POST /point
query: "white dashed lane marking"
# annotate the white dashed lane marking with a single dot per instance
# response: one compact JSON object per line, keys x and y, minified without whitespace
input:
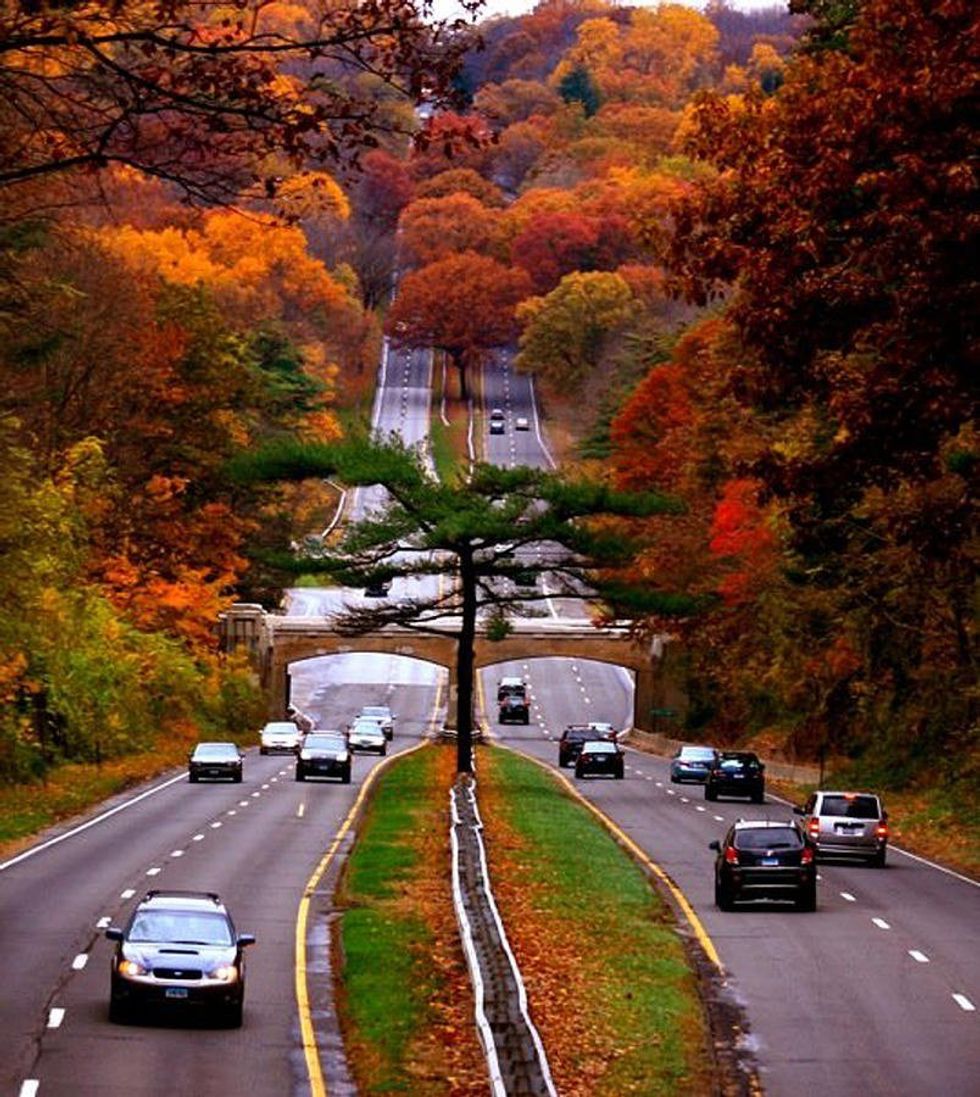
{"x":155,"y":871}
{"x":103,"y":922}
{"x":29,"y":1088}
{"x":918,"y":957}
{"x":55,"y":1017}
{"x":198,"y":838}
{"x":127,"y":894}
{"x":697,"y":807}
{"x":848,"y":896}
{"x":176,"y":853}
{"x":880,"y":923}
{"x":300,"y":811}
{"x":216,"y":824}
{"x":964,"y":1003}
{"x":719,"y":818}
{"x":80,"y":961}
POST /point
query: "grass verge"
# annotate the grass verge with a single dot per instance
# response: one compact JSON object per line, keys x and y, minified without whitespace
{"x":608,"y":978}
{"x":406,"y":1004}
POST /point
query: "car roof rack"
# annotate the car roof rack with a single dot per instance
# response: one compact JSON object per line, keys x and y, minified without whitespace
{"x":178,"y":893}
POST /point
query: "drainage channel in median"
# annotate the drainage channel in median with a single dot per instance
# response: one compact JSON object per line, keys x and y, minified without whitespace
{"x":515,"y":1056}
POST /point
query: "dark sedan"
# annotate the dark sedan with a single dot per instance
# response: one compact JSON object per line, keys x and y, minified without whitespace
{"x":324,"y":754}
{"x":572,"y":740}
{"x":691,"y":764}
{"x":179,"y":951}
{"x":765,"y":859}
{"x":215,"y":760}
{"x":736,"y":773}
{"x":600,"y":756}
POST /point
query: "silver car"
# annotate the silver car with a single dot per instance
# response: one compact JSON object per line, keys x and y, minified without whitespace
{"x":846,"y":824}
{"x":367,"y":735}
{"x":382,"y":715}
{"x":279,"y":737}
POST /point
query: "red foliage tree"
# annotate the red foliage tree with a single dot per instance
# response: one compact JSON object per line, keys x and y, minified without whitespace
{"x":463,"y":305}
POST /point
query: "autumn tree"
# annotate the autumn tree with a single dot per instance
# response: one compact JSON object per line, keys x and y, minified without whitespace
{"x":553,"y":245}
{"x":838,"y":233}
{"x":476,"y":533}
{"x":565,"y":332}
{"x":463,"y":305}
{"x":435,"y":228}
{"x":200,"y":94}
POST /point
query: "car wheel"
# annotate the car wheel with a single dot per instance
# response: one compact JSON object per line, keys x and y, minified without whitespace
{"x":192,"y":777}
{"x":233,"y":1015}
{"x":238,"y":778}
{"x":578,"y":773}
{"x":262,"y":750}
{"x":806,"y":900}
{"x":879,"y":858}
{"x":345,"y":776}
{"x":118,"y":1013}
{"x":758,"y":797}
{"x":384,"y":750}
{"x":526,"y":720}
{"x":723,"y":897}
{"x":300,"y":775}
{"x":710,"y":794}
{"x":619,"y":774}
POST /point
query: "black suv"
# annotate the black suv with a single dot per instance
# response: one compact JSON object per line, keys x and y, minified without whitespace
{"x":572,"y":738}
{"x":179,"y":949}
{"x":765,"y":859}
{"x":736,"y":773}
{"x":513,"y":710}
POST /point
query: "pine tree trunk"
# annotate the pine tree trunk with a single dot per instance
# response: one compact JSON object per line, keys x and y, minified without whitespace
{"x":464,"y":663}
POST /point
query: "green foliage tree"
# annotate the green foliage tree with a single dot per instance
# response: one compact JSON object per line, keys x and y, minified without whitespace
{"x":475,"y":533}
{"x":577,"y":86}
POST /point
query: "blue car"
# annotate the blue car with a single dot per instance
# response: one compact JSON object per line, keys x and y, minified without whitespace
{"x":692,"y":764}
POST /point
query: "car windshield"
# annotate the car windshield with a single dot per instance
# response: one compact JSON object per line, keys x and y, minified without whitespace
{"x":375,"y":710}
{"x":213,"y":751}
{"x":180,"y":927}
{"x":365,"y":727}
{"x":283,"y":727}
{"x":696,"y":754}
{"x":769,"y":838}
{"x":324,"y":742}
{"x":851,"y":807}
{"x":599,"y":747}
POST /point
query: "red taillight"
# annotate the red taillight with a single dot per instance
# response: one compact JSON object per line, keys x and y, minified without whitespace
{"x":813,"y":828}
{"x":806,"y":857}
{"x":731,"y":855}
{"x":881,"y":830}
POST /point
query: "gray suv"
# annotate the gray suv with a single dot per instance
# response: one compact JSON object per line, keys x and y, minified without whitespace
{"x":846,"y":824}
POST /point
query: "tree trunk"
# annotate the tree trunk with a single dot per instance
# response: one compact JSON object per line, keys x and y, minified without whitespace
{"x":464,"y":663}
{"x":459,"y":361}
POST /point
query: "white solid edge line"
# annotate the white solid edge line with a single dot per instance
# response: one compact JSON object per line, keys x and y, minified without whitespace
{"x":537,"y":425}
{"x":486,"y":1034}
{"x":91,"y":823}
{"x":521,"y":991}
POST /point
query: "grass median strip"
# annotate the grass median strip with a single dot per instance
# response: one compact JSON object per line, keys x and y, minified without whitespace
{"x":609,"y":984}
{"x":406,"y":1003}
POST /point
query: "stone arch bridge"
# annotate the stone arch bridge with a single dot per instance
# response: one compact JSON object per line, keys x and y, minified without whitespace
{"x":273,"y":642}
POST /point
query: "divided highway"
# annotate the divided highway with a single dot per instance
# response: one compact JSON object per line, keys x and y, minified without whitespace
{"x":873,"y":994}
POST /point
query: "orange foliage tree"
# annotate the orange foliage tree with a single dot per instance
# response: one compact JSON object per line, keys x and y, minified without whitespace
{"x":463,"y":304}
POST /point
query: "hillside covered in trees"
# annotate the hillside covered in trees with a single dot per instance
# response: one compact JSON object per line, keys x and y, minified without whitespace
{"x":732,"y":249}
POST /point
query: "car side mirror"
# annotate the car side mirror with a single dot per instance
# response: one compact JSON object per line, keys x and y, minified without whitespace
{"x":715,"y":845}
{"x":246,"y":939}
{"x":114,"y":933}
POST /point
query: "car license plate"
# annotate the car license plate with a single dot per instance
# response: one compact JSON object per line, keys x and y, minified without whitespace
{"x":769,"y":861}
{"x":175,"y":992}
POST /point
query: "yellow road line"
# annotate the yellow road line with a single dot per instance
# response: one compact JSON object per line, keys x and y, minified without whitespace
{"x":307,"y":1034}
